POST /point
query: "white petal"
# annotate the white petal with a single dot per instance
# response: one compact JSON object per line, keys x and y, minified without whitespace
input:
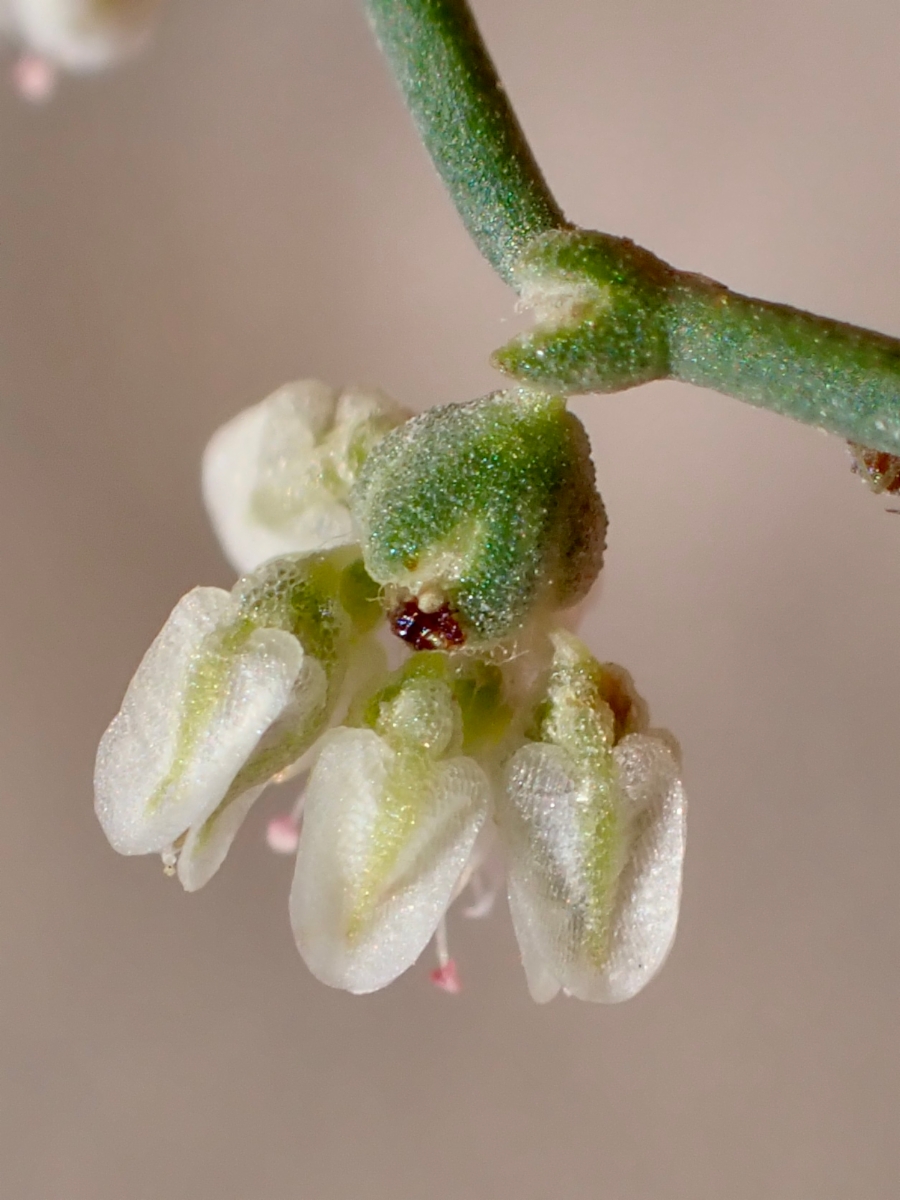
{"x":375,"y":873}
{"x":174,"y":749}
{"x":553,"y":888}
{"x":541,"y":800}
{"x":650,"y":887}
{"x":272,"y":444}
{"x":362,"y":417}
{"x":208,"y":842}
{"x":83,"y":35}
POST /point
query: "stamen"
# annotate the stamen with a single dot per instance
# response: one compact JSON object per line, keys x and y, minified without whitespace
{"x":34,"y":78}
{"x":445,"y":975}
{"x":484,"y":894}
{"x":431,"y":599}
{"x":169,"y":858}
{"x":283,"y":831}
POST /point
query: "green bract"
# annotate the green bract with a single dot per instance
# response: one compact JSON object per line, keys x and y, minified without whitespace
{"x":600,"y":304}
{"x":610,"y":315}
{"x":485,"y":512}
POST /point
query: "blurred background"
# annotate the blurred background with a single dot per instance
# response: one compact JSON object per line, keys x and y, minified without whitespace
{"x":248,"y":204}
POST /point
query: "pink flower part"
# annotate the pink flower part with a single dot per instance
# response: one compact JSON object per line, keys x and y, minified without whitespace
{"x":444,"y":975}
{"x":34,"y":78}
{"x":283,"y":834}
{"x":446,"y":978}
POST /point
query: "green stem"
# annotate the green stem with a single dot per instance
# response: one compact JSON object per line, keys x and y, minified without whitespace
{"x":839,"y":377}
{"x":464,"y":118}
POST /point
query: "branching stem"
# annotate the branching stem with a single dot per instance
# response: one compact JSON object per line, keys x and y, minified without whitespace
{"x":611,"y":316}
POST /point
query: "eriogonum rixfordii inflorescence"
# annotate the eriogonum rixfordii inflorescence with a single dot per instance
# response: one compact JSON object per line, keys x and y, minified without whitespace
{"x":72,"y":35}
{"x":497,"y":740}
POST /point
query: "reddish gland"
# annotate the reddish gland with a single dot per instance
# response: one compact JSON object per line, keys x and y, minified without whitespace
{"x":881,"y":471}
{"x":438,"y":630}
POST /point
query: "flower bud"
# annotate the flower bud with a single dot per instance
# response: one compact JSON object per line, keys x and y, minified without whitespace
{"x":476,"y":516}
{"x":277,"y":476}
{"x":234,"y":689}
{"x":593,"y":813}
{"x":82,"y":35}
{"x":391,"y":816}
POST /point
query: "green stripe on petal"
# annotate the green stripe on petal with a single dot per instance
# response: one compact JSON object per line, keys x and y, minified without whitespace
{"x":204,"y":695}
{"x":593,"y":813}
{"x":235,"y":689}
{"x":389,"y":824}
{"x":283,"y":743}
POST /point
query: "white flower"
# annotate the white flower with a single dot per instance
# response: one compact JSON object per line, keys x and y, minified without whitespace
{"x":233,"y":690}
{"x":588,"y":813}
{"x":81,"y":35}
{"x":391,"y":817}
{"x":477,"y":523}
{"x":594,"y":818}
{"x":276,"y":478}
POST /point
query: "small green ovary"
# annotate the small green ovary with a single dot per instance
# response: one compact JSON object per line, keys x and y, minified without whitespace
{"x":486,"y":716}
{"x":360,"y":597}
{"x":426,"y":667}
{"x":472,"y":690}
{"x":421,"y":713}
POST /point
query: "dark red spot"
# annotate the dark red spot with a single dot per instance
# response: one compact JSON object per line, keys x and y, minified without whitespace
{"x":426,"y":631}
{"x":880,"y":471}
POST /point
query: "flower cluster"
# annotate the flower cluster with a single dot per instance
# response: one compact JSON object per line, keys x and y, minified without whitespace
{"x":486,"y":736}
{"x":75,"y":35}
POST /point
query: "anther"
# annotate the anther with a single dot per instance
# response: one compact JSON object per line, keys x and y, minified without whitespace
{"x":283,"y":831}
{"x":444,"y":976}
{"x":34,"y":78}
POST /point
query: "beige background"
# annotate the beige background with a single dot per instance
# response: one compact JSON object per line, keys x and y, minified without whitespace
{"x":248,"y":204}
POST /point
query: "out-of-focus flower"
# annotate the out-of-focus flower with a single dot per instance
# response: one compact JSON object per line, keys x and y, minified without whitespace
{"x":463,"y":531}
{"x":277,"y":477}
{"x":75,"y":35}
{"x":34,"y":77}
